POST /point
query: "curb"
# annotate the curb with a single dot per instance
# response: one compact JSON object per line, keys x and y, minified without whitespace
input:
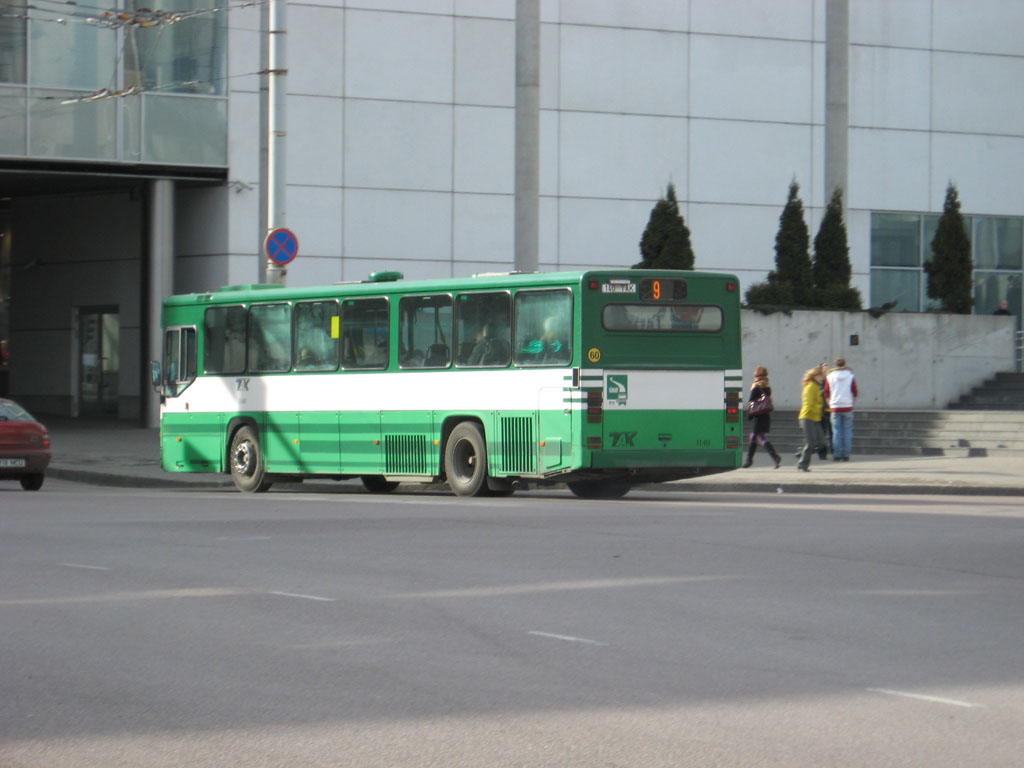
{"x":113,"y":480}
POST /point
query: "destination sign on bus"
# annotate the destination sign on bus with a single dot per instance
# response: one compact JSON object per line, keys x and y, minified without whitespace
{"x":662,"y":289}
{"x":618,"y":286}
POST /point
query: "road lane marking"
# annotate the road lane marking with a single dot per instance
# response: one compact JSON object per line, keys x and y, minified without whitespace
{"x":567,"y":638}
{"x":305,"y":597}
{"x":923,"y":697}
{"x":86,"y":567}
{"x":559,"y":586}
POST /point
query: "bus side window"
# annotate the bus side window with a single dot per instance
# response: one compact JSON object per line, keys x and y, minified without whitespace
{"x":366,"y":327}
{"x":543,"y":328}
{"x":314,"y":348}
{"x":425,"y":331}
{"x":483,"y":331}
{"x":224,"y":339}
{"x":270,"y":338}
{"x":179,"y":364}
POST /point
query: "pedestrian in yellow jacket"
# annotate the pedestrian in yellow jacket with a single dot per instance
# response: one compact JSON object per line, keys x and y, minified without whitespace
{"x":812,"y":406}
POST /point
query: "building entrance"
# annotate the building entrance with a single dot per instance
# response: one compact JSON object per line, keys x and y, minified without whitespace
{"x":99,"y":361}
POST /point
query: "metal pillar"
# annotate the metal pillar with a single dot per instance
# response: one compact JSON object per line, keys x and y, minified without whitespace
{"x":277,"y":72}
{"x":161,"y":281}
{"x":527,"y":140}
{"x":837,"y":95}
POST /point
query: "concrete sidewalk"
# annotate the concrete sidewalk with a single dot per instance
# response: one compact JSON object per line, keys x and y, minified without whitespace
{"x":119,"y":454}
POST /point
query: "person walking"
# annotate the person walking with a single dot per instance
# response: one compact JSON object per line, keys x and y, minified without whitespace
{"x":841,"y":393}
{"x":812,"y":405}
{"x":826,"y":417}
{"x":762,"y":422}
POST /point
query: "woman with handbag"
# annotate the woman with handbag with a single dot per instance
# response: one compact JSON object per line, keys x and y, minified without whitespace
{"x":812,"y":406}
{"x":760,"y":409}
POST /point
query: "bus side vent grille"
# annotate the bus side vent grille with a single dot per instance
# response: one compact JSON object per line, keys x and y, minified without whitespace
{"x":405,"y":454}
{"x":518,"y":449}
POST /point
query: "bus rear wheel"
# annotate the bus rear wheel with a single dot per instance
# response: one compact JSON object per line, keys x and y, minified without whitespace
{"x":465,"y":460}
{"x":599,"y":489}
{"x":246,"y":462}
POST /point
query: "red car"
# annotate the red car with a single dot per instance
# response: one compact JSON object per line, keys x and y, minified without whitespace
{"x":24,"y":446}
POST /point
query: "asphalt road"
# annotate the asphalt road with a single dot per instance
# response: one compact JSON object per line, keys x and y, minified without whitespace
{"x":202,"y":629}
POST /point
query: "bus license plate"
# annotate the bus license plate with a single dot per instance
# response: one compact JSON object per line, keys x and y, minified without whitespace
{"x":618,"y":288}
{"x":12,"y":463}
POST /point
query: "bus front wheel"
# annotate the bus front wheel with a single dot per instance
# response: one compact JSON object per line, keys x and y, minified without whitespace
{"x":599,"y":489}
{"x":247,"y":462}
{"x":465,"y":460}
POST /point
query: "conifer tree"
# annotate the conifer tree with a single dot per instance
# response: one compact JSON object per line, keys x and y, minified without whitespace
{"x":665,"y":243}
{"x":949,"y":270}
{"x":792,"y":250}
{"x":831,"y":266}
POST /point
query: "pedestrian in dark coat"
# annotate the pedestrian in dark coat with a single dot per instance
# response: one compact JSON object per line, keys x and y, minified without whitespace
{"x":762,"y":422}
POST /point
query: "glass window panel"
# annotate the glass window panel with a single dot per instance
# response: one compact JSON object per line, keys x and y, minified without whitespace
{"x":990,"y":288}
{"x":364,"y":333}
{"x":425,"y":331}
{"x":185,"y":130}
{"x":270,"y":338}
{"x":12,"y":121}
{"x":997,"y":243}
{"x":900,"y":285}
{"x":71,"y":55}
{"x":316,"y":336}
{"x":483,"y":329}
{"x":543,"y":328}
{"x":224,"y":339}
{"x":186,"y":57}
{"x":82,"y":129}
{"x":895,"y":240}
{"x":12,"y":42}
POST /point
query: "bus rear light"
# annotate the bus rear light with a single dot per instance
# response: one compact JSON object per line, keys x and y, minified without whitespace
{"x":593,"y":285}
{"x":594,"y":443}
{"x":730,"y":287}
{"x":732,"y":406}
{"x":732,"y":441}
{"x":595,"y":406}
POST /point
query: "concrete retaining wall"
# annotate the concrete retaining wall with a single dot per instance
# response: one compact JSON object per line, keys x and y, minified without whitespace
{"x":901,"y":360}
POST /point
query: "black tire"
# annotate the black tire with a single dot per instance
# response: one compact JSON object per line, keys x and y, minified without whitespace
{"x":377,"y":484}
{"x":246,"y":462}
{"x":32,"y":482}
{"x":465,"y":460}
{"x":599,"y":489}
{"x":500,"y":487}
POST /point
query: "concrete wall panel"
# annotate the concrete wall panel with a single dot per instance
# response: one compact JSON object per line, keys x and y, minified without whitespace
{"x":484,"y":150}
{"x":623,"y":70}
{"x":389,"y":227}
{"x":750,"y":79}
{"x":889,"y":88}
{"x":620,"y":156}
{"x":401,"y":56}
{"x":784,"y":19}
{"x":889,"y":170}
{"x":314,"y":144}
{"x":971,"y":163}
{"x":482,"y":230}
{"x":315,"y":54}
{"x":485,"y":71}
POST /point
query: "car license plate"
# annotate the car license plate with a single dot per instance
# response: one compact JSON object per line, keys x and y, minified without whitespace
{"x":12,"y":463}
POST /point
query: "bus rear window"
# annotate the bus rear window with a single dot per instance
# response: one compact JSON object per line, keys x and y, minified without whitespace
{"x":706,"y":318}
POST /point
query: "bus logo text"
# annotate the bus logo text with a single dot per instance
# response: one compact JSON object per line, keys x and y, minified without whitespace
{"x":622,"y":439}
{"x":241,"y":385}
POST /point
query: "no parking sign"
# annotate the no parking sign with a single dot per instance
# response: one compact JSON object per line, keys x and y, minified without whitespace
{"x":281,"y":246}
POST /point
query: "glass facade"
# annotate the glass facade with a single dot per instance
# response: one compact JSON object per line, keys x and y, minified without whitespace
{"x":144,"y":84}
{"x":901,"y":243}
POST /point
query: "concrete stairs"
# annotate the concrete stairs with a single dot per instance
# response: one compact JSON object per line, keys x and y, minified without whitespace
{"x":916,"y":433}
{"x":1003,"y":392}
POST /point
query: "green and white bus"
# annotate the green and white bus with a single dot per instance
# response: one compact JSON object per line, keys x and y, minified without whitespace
{"x":600,"y":379}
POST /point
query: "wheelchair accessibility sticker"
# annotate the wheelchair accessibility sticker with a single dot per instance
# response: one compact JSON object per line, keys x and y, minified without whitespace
{"x":616,"y":389}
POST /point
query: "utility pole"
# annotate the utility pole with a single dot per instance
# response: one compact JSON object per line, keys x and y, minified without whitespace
{"x":527,"y":155}
{"x":277,"y":71}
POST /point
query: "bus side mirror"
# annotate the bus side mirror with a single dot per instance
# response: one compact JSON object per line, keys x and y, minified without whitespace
{"x":154,"y":374}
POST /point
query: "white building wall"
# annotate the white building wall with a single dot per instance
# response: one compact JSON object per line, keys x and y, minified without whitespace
{"x":401,"y":138}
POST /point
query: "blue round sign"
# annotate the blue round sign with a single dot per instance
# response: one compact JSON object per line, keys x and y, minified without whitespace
{"x":282,"y":246}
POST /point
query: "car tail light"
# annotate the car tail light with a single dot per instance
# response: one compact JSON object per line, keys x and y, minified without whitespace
{"x":732,"y":406}
{"x":595,"y":406}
